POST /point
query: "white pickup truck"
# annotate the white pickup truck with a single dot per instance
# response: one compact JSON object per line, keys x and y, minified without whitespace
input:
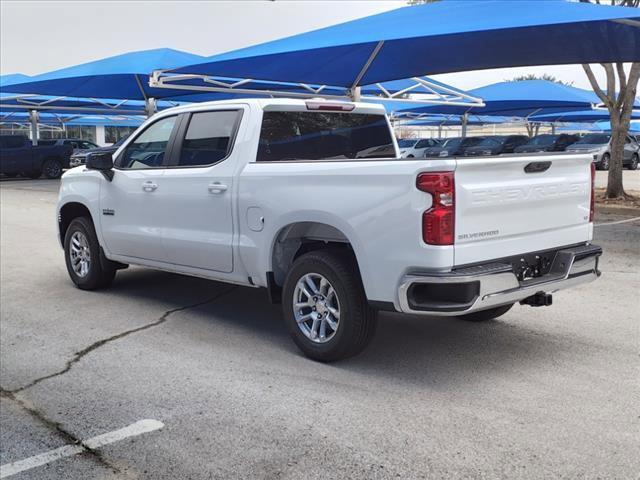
{"x":309,"y":200}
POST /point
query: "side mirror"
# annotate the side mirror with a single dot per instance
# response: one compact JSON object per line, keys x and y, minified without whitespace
{"x":103,"y":162}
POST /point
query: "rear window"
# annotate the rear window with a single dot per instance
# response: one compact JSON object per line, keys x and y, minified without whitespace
{"x":323,"y":136}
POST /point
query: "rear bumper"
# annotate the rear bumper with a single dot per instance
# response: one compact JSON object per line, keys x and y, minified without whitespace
{"x":490,"y":285}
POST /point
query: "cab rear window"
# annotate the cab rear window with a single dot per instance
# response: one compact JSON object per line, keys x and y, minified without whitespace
{"x":291,"y":136}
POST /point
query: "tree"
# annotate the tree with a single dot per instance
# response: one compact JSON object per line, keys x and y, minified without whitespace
{"x":619,"y":97}
{"x":544,"y":76}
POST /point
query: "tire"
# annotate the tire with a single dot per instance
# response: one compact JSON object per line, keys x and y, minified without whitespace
{"x":634,"y":162}
{"x":356,"y":320}
{"x":52,"y":168}
{"x":484,"y":315}
{"x":604,"y":163}
{"x":85,"y":245}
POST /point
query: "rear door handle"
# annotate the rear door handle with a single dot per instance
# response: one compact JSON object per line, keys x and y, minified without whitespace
{"x":149,"y":186}
{"x":217,"y":187}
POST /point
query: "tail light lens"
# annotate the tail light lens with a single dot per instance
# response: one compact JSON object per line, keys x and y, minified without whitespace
{"x":592,"y":208}
{"x":438,"y":223}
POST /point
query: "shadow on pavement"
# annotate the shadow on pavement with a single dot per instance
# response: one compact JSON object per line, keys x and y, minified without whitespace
{"x":427,"y":350}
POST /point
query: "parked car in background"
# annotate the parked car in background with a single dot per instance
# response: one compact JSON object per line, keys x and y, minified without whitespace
{"x":76,"y":144}
{"x":452,"y":147}
{"x":496,"y":144}
{"x":548,"y":143}
{"x":80,"y":157}
{"x":599,"y":145}
{"x":415,"y":147}
{"x":19,"y":157}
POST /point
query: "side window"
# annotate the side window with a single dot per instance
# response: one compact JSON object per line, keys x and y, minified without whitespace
{"x":423,"y":144}
{"x":208,"y":138}
{"x":148,"y":149}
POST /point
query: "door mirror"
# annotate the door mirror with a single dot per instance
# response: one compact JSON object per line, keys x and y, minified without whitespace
{"x":103,"y":162}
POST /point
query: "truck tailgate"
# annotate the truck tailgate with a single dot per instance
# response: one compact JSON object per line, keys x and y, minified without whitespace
{"x":516,"y":204}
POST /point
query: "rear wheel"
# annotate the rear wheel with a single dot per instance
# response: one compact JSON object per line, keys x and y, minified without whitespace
{"x":52,"y":168}
{"x":82,"y":256}
{"x":634,"y":162}
{"x":325,"y":306}
{"x":485,"y":315}
{"x":604,"y":163}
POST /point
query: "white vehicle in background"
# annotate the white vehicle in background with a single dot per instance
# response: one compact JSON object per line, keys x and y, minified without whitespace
{"x":309,"y":200}
{"x":599,"y":146}
{"x":415,"y":147}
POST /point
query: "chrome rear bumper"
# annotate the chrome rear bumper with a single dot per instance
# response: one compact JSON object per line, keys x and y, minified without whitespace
{"x":490,"y":285}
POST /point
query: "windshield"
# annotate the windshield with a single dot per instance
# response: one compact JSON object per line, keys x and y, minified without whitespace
{"x":542,"y":140}
{"x":406,"y":143}
{"x":324,"y":136}
{"x":594,"y":139}
{"x":451,"y":143}
{"x":492,"y":142}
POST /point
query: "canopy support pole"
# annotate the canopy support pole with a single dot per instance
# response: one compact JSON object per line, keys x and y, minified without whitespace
{"x":553,"y":128}
{"x":150,"y":106}
{"x":33,"y":121}
{"x":465,"y":120}
{"x":354,"y":86}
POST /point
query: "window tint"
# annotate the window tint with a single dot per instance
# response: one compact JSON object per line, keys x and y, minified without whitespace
{"x":208,"y":138}
{"x":148,"y":149}
{"x":424,"y":143}
{"x":323,"y":136}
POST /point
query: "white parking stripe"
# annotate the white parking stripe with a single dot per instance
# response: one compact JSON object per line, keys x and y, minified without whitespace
{"x":133,"y":430}
{"x":634,"y":219}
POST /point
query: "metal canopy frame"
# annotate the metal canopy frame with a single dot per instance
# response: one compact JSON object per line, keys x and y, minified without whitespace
{"x":29,"y":102}
{"x":438,"y":94}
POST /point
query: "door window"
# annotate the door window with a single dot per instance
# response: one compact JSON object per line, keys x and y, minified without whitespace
{"x":148,"y":149}
{"x":209,"y":138}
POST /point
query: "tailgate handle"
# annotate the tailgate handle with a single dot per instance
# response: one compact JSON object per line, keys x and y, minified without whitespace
{"x":537,"y":167}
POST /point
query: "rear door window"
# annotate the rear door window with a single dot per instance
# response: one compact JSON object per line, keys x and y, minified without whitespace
{"x":290,"y":136}
{"x":209,"y":138}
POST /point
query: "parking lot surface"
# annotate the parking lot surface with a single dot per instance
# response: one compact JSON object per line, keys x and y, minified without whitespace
{"x":539,"y":393}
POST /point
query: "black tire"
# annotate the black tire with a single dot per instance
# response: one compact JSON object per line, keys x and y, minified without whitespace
{"x":604,"y":163}
{"x":52,"y":168}
{"x":484,"y":315}
{"x":357,"y":320}
{"x":634,"y":162}
{"x":97,"y":276}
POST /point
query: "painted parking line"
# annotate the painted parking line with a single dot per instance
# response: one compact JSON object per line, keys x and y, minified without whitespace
{"x":634,"y":219}
{"x":133,"y":430}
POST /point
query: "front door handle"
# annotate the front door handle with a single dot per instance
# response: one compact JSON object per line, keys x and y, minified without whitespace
{"x":217,"y":187}
{"x":149,"y":186}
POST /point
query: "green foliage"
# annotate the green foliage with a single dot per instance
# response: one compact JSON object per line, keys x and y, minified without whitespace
{"x":544,"y":76}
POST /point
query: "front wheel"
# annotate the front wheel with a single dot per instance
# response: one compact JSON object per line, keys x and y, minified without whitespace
{"x":82,"y":256}
{"x":634,"y":162}
{"x":325,"y":306}
{"x":484,"y":315}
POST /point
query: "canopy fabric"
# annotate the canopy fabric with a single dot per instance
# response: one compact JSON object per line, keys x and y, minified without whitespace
{"x":577,"y":117}
{"x":440,"y":37}
{"x":22,"y":118}
{"x":122,"y":76}
{"x":521,"y":99}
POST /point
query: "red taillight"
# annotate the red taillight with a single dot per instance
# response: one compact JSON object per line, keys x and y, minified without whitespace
{"x":592,"y":208}
{"x":438,"y":223}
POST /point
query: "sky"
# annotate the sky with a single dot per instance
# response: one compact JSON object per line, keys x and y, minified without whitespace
{"x":40,"y":36}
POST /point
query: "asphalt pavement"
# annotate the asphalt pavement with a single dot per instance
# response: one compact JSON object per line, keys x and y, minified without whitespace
{"x":547,"y":392}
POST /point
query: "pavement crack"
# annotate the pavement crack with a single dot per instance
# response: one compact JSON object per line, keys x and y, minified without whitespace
{"x":58,"y":429}
{"x":85,"y":351}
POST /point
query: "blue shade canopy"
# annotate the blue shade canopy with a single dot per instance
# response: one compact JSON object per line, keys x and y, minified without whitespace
{"x":122,"y":76}
{"x":577,"y":117}
{"x":22,"y":118}
{"x":440,"y":37}
{"x":521,"y":99}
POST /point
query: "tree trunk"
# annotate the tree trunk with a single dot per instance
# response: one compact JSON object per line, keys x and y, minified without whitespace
{"x":618,"y":138}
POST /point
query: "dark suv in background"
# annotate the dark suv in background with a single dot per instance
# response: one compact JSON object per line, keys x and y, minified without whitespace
{"x":496,"y":145}
{"x":19,"y":157}
{"x":452,"y":147}
{"x":548,"y":143}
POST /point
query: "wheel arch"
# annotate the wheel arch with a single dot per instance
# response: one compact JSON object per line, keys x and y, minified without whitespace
{"x":70,"y":211}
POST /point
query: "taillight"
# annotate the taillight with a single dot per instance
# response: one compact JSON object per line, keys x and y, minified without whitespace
{"x":592,"y":208}
{"x":438,"y":223}
{"x":330,"y":106}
